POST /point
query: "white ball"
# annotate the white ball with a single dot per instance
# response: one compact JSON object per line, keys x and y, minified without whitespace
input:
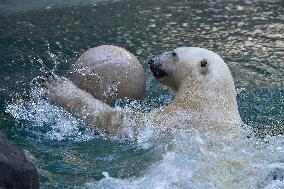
{"x":109,"y":73}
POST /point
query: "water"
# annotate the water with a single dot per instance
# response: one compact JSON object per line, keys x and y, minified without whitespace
{"x":36,"y":37}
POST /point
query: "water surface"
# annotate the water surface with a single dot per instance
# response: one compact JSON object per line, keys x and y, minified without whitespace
{"x":41,"y":37}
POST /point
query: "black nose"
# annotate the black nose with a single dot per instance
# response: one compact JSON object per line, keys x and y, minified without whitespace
{"x":156,"y":69}
{"x":151,"y":61}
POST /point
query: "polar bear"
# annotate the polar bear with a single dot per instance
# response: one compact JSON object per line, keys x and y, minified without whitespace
{"x":205,"y":97}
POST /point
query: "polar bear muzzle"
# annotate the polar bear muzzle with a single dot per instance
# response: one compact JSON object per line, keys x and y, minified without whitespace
{"x":156,"y":69}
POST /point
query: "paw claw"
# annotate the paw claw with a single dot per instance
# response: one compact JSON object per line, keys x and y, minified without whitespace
{"x":48,"y":80}
{"x":50,"y":76}
{"x":51,"y":80}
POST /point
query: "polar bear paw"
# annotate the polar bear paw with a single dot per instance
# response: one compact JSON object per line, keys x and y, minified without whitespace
{"x":51,"y":80}
{"x":54,"y":85}
{"x":59,"y":90}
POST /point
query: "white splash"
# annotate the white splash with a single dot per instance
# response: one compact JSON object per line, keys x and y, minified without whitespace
{"x":47,"y":121}
{"x":194,"y":161}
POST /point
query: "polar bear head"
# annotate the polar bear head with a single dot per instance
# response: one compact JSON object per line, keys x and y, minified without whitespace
{"x":190,"y":65}
{"x":201,"y":79}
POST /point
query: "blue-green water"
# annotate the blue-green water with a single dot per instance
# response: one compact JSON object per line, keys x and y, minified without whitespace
{"x":249,"y":35}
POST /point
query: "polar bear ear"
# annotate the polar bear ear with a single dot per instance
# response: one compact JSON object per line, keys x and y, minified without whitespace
{"x":174,"y":54}
{"x":204,"y":66}
{"x":203,"y":63}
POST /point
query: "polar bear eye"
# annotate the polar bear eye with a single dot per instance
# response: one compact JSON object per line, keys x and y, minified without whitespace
{"x":203,"y":63}
{"x":174,"y":54}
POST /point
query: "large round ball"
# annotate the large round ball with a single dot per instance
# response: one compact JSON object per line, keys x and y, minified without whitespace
{"x":109,"y":73}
